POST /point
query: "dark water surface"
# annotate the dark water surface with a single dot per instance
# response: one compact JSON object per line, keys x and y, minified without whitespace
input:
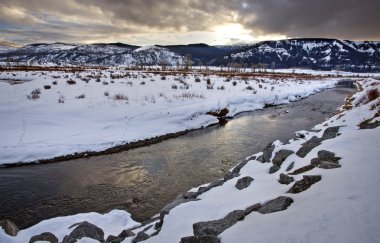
{"x":143,"y":180}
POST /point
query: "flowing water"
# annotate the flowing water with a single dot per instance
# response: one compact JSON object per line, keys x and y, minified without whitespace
{"x":143,"y":180}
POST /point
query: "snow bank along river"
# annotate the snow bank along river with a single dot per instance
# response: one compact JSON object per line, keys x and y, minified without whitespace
{"x":145,"y":179}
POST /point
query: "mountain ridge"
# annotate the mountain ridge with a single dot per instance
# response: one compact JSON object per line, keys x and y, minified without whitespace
{"x":315,"y":53}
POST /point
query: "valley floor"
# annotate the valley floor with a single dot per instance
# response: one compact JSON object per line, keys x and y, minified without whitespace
{"x":322,"y":187}
{"x":56,"y":113}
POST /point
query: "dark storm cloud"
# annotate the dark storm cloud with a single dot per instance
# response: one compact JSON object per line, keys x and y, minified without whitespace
{"x":100,"y":19}
{"x":350,"y":19}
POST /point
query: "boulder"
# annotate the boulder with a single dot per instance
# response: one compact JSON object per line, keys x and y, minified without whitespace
{"x":274,"y":169}
{"x":141,"y":236}
{"x":216,"y":227}
{"x":200,"y":239}
{"x":243,"y":182}
{"x":291,"y":165}
{"x":308,"y":146}
{"x":126,"y":233}
{"x":278,"y":204}
{"x":166,"y":209}
{"x":84,"y":229}
{"x":285,"y":179}
{"x":9,"y":227}
{"x":305,"y":183}
{"x":328,"y":165}
{"x":253,"y":208}
{"x":46,"y":236}
{"x":302,"y":170}
{"x":281,"y":156}
{"x":267,"y":153}
{"x":330,"y":132}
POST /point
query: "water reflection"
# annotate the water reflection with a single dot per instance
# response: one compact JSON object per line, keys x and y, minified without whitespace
{"x":145,"y":179}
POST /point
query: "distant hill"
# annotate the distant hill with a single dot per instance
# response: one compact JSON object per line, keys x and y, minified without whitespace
{"x":315,"y":53}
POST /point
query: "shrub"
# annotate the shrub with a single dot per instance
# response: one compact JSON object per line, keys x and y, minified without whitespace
{"x":82,"y":96}
{"x":105,"y":83}
{"x":198,"y":80}
{"x":47,"y":87}
{"x":36,"y":92}
{"x":142,"y":83}
{"x":33,"y":96}
{"x":174,"y":86}
{"x":120,"y":97}
{"x":71,"y":82}
{"x":61,"y":99}
{"x":163,"y":78}
{"x":227,"y":80}
{"x":208,"y":81}
{"x":234,"y":83}
{"x":55,"y":82}
{"x":372,"y":94}
{"x":249,"y":87}
{"x":106,"y":93}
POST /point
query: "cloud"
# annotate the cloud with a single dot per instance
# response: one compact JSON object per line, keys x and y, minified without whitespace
{"x":147,"y":21}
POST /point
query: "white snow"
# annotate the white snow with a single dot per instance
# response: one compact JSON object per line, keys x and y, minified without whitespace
{"x":111,"y":223}
{"x":43,"y":128}
{"x":342,"y":207}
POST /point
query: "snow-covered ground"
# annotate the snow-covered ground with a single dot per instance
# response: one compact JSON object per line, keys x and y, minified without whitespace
{"x":99,"y":112}
{"x":342,"y":207}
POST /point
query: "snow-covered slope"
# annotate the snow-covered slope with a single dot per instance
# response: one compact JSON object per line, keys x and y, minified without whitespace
{"x":87,"y":115}
{"x":315,"y":53}
{"x":116,"y":54}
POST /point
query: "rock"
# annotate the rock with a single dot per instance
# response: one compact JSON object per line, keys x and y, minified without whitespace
{"x":200,"y":239}
{"x":302,"y":170}
{"x":290,"y":166}
{"x":187,"y":195}
{"x":216,"y":227}
{"x":305,"y":183}
{"x":84,"y":229}
{"x":46,"y":236}
{"x":326,"y":160}
{"x":166,"y":209}
{"x":329,"y":165}
{"x":330,"y":132}
{"x":281,"y":156}
{"x":253,"y":208}
{"x":285,"y":179}
{"x":9,"y":227}
{"x":212,"y":185}
{"x":260,"y":159}
{"x":243,"y":182}
{"x":267,"y":152}
{"x":367,"y":125}
{"x":274,"y":169}
{"x":126,"y":233}
{"x":324,"y":154}
{"x":237,"y":168}
{"x":114,"y":239}
{"x":229,"y":175}
{"x":278,"y":204}
{"x":141,"y":236}
{"x":308,"y":146}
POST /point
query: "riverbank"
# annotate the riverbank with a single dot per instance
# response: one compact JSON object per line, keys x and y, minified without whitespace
{"x":309,"y":191}
{"x":94,"y":112}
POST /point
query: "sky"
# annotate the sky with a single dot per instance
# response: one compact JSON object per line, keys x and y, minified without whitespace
{"x":165,"y":22}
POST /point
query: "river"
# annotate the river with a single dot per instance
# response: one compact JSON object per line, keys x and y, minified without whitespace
{"x":144,"y":179}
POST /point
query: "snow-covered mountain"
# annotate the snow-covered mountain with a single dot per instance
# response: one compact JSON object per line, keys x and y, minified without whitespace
{"x":308,"y":53}
{"x":92,"y":54}
{"x":311,"y":53}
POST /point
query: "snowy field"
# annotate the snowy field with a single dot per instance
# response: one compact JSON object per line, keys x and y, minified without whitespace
{"x":57,"y":113}
{"x":341,"y":207}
